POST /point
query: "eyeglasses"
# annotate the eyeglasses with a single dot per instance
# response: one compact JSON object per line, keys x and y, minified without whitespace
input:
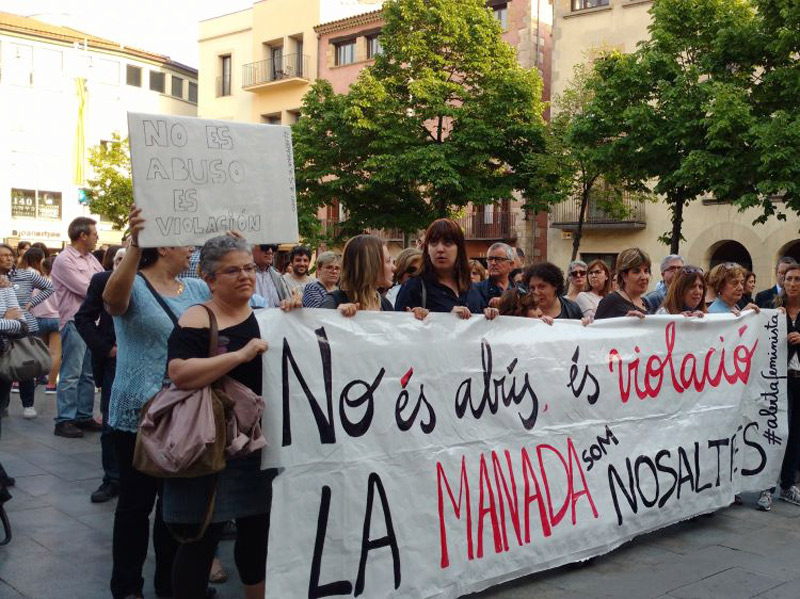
{"x":577,"y":273}
{"x":496,"y":259}
{"x":233,"y":271}
{"x":672,"y":268}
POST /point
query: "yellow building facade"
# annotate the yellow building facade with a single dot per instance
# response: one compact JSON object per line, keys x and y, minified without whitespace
{"x":257,"y":64}
{"x":714,"y":232}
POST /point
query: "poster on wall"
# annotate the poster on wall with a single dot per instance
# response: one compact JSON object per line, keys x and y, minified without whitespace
{"x":196,"y":178}
{"x":439,"y":458}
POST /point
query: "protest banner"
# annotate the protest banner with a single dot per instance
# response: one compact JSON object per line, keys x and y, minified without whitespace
{"x":195,"y":178}
{"x":438,"y":458}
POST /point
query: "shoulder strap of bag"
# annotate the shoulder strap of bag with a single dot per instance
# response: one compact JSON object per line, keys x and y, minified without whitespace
{"x":213,"y":337}
{"x":160,"y":300}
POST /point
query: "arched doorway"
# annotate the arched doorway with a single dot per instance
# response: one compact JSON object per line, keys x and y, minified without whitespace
{"x":791,"y":249}
{"x":731,"y":251}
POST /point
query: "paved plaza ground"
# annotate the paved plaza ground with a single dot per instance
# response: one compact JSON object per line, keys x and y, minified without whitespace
{"x":62,"y":543}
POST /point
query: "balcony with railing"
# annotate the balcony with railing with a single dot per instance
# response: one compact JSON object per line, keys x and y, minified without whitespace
{"x":332,"y":229}
{"x":631,"y":215}
{"x":290,"y":69}
{"x":495,"y":225}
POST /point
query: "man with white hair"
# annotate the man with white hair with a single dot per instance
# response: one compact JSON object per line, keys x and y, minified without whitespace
{"x":669,"y":268}
{"x":499,"y":260}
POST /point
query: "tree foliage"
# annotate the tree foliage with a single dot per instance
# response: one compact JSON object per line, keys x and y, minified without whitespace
{"x":444,"y":117}
{"x":110,"y":191}
{"x":582,"y":175}
{"x":672,"y":113}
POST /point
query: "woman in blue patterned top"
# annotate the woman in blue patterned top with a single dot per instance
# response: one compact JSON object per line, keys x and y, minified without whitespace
{"x":146,"y":297}
{"x":23,"y":281}
{"x":329,"y":265}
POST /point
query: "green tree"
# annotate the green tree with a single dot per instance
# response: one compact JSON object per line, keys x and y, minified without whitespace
{"x":581,"y":172}
{"x":110,"y":190}
{"x":443,"y":118}
{"x":663,"y":110}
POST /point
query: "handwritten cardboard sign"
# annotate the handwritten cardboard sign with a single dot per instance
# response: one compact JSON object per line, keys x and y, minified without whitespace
{"x":195,"y":178}
{"x":438,"y":458}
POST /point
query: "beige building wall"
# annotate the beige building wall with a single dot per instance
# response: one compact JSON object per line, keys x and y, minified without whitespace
{"x":708,"y":227}
{"x":39,"y":64}
{"x":274,"y":52}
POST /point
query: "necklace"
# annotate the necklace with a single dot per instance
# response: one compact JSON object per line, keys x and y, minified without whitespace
{"x":181,"y":286}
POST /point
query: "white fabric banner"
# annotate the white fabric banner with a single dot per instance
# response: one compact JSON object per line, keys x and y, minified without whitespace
{"x":438,"y":458}
{"x":195,"y":178}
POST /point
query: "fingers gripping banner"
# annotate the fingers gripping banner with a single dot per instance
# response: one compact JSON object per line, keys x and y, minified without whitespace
{"x":438,"y":458}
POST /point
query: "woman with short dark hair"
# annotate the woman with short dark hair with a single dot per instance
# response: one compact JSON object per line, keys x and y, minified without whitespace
{"x":546,"y":281}
{"x":633,"y":278}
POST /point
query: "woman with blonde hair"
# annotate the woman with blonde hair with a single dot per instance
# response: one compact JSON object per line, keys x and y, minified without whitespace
{"x":329,"y":265}
{"x":408,"y":264}
{"x":598,"y":285}
{"x":477,"y":271}
{"x":367,"y":268}
{"x":633,"y":278}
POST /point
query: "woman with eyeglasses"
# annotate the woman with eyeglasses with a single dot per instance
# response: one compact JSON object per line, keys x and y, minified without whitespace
{"x":367,"y":269}
{"x":598,"y":285}
{"x":243,"y":490}
{"x":633,"y":277}
{"x":686,"y":295}
{"x":408,"y":264}
{"x":576,"y":275}
{"x":546,"y":282}
{"x":727,"y":281}
{"x":328,"y":268}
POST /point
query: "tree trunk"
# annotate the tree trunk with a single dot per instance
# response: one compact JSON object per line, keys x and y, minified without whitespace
{"x":576,"y":240}
{"x":677,"y":224}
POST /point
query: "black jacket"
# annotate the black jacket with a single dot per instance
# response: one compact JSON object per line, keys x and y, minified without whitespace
{"x":766,"y":298}
{"x":96,"y":326}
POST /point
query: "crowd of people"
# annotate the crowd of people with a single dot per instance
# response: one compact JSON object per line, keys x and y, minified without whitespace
{"x":143,"y":317}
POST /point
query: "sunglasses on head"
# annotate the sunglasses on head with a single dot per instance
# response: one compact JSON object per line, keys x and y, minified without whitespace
{"x":521,"y":289}
{"x":691,"y":270}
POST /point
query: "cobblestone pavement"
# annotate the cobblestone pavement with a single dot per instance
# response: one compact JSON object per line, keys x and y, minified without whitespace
{"x":62,"y":543}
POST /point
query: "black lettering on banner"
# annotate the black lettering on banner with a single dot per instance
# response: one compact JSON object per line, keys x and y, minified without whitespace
{"x":717,"y":444}
{"x":494,"y":390}
{"x":327,"y":432}
{"x":631,"y":498}
{"x":356,"y":429}
{"x":587,"y":376}
{"x":666,"y":470}
{"x":405,"y":424}
{"x":757,"y":446}
{"x":367,"y":544}
{"x":596,"y":452}
{"x":331,"y":589}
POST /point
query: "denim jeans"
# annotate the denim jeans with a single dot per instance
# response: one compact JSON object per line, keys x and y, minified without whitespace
{"x":75,"y":393}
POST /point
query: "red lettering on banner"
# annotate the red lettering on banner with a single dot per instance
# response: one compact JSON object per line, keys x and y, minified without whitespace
{"x":498,"y":499}
{"x":687,"y":376}
{"x":485,"y":483}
